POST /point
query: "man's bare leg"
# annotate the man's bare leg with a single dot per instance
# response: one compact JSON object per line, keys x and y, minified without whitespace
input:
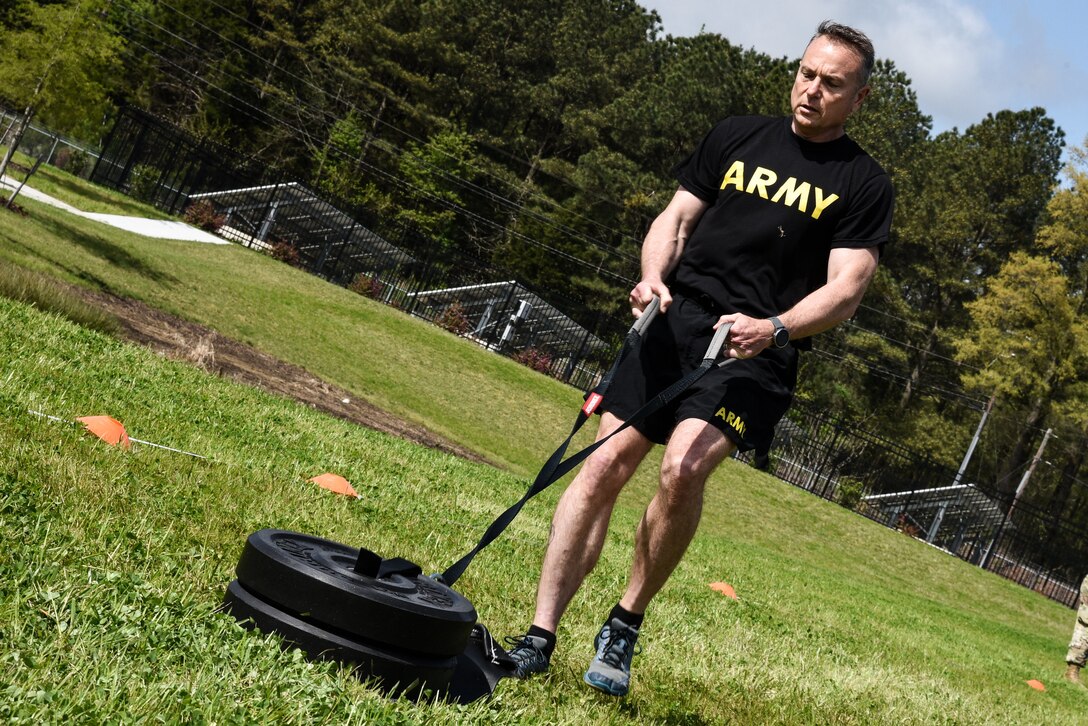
{"x":580,"y":522}
{"x":695,"y":449}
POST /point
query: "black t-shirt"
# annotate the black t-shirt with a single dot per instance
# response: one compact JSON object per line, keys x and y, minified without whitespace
{"x":779,"y":204}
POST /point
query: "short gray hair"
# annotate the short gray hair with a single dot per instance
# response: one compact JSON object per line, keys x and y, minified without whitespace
{"x":855,"y":39}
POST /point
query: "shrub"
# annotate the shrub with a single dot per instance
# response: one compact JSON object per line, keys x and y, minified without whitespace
{"x":63,"y":158}
{"x":904,"y":525}
{"x":454,"y":319}
{"x":143,"y":180}
{"x":202,"y":214}
{"x":285,"y":252}
{"x":367,"y":286}
{"x":534,"y":358}
{"x":849,"y":491}
{"x":72,"y":160}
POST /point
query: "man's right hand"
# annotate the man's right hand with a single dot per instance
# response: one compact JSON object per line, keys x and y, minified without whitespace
{"x":644,"y":293}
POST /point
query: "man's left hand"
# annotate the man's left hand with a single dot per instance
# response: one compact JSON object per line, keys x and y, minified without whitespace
{"x":748,"y":336}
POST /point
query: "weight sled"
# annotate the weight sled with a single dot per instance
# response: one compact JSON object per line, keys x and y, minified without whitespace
{"x":346,"y":589}
{"x":397,"y":672}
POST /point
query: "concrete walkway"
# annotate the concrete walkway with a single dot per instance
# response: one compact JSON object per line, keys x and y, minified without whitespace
{"x":157,"y":228}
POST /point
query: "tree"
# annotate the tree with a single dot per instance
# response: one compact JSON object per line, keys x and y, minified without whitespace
{"x":889,"y":125}
{"x":1024,"y":343}
{"x":694,"y":83}
{"x":15,"y":13}
{"x":1065,"y":239}
{"x":433,"y":173}
{"x":60,"y":65}
{"x":342,"y":170}
{"x":946,"y":245}
{"x":893,"y":130}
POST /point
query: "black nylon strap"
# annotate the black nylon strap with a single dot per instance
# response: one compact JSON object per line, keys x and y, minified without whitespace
{"x":555,"y":468}
{"x":546,"y":477}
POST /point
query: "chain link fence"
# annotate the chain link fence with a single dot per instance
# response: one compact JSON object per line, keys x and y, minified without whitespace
{"x":906,"y":491}
{"x":73,"y":156}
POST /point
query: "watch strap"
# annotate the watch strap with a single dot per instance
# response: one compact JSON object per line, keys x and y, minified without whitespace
{"x":778,"y":328}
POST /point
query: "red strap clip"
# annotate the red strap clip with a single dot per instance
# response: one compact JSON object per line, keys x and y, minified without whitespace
{"x":592,"y":401}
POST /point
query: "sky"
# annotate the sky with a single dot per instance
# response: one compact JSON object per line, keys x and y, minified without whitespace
{"x":965,"y":58}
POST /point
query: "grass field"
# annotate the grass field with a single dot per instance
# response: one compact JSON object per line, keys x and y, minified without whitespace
{"x":113,"y":562}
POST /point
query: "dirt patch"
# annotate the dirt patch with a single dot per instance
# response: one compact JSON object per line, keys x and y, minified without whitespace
{"x":180,"y":339}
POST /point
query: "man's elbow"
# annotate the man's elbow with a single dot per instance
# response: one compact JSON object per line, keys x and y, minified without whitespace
{"x":851,"y":298}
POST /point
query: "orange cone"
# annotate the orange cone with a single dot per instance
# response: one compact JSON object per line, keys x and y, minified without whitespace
{"x":1038,"y":686}
{"x":725,"y":589}
{"x":108,"y":429}
{"x":335,"y":483}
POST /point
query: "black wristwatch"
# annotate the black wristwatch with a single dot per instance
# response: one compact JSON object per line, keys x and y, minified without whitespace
{"x":780,"y":336}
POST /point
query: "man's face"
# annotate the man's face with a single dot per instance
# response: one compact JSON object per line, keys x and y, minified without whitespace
{"x":826,"y":91}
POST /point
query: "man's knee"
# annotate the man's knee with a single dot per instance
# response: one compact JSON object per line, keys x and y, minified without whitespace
{"x":607,"y":469}
{"x":681,"y":469}
{"x":694,"y":452}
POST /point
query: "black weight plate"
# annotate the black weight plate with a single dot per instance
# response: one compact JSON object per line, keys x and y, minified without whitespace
{"x":397,"y":672}
{"x":316,"y":577}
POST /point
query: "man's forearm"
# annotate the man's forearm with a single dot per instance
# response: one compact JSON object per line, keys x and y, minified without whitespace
{"x":849,"y":273}
{"x":663,"y":246}
{"x":661,"y":250}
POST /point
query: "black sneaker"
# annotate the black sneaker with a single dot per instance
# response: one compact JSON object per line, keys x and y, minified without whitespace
{"x":610,"y":670}
{"x":528,"y":655}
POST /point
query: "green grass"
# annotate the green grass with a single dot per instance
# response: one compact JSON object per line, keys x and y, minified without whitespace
{"x":112,"y":562}
{"x":48,"y":294}
{"x":86,"y":197}
{"x":397,"y":362}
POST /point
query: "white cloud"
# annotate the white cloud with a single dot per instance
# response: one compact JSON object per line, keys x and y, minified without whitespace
{"x":965,"y":58}
{"x":946,"y":49}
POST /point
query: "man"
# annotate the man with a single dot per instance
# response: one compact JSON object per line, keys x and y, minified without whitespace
{"x":776,"y":229}
{"x":1078,"y":646}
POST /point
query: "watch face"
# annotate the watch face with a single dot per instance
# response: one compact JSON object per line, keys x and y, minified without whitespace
{"x":781,"y":337}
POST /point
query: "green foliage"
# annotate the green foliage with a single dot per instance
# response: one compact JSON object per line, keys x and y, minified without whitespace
{"x":72,"y":160}
{"x":437,"y":174}
{"x":889,"y":125}
{"x":694,"y":83}
{"x":1025,"y":331}
{"x":344,"y":166}
{"x":61,"y":61}
{"x":1064,"y":238}
{"x":1027,"y":345}
{"x":143,"y":182}
{"x":944,"y":248}
{"x":848,"y":491}
{"x":15,"y":13}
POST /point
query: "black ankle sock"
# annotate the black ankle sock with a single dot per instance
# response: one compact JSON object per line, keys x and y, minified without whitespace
{"x":547,"y":635}
{"x":627,"y":617}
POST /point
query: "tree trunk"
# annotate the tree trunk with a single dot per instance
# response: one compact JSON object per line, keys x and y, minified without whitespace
{"x":916,"y":371}
{"x":1060,"y":498}
{"x":373,"y":132}
{"x":1019,"y":456}
{"x":29,"y":112}
{"x":16,"y":139}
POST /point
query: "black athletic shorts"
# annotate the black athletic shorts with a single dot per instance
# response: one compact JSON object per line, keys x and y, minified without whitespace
{"x":745,"y":399}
